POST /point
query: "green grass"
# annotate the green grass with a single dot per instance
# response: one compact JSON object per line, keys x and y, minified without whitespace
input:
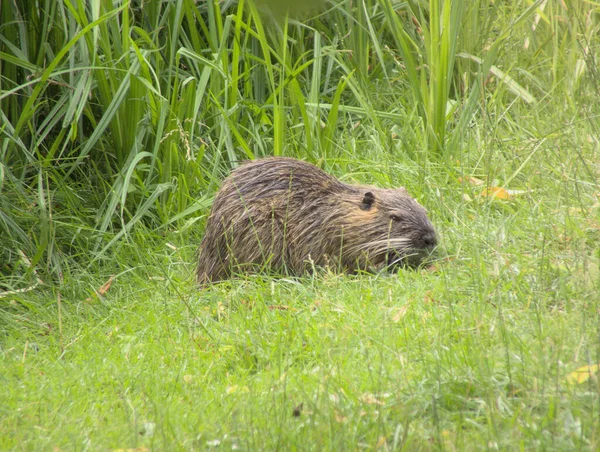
{"x":118,"y":124}
{"x":399,"y":361}
{"x":473,"y":354}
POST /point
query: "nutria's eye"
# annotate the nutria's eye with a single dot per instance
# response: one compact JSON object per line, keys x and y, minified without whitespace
{"x":395,"y":218}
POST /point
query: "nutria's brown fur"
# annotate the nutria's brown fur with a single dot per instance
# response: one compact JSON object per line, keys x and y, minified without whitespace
{"x":288,"y":215}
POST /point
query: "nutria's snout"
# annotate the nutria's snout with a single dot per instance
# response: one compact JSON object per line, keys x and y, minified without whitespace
{"x":414,"y":254}
{"x":413,"y":258}
{"x":428,"y":244}
{"x":429,"y":240}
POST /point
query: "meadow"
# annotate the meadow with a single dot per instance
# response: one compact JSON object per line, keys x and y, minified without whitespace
{"x":118,"y":121}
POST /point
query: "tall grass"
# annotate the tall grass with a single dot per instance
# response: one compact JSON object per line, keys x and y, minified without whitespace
{"x":122,"y":114}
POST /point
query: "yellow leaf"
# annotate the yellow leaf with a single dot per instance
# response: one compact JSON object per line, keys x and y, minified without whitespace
{"x":236,"y":388}
{"x":340,"y":418}
{"x":582,"y":374}
{"x":104,"y":288}
{"x":382,"y":441}
{"x":496,"y":192}
{"x":471,"y":180}
{"x":399,"y":314}
{"x":371,"y":400}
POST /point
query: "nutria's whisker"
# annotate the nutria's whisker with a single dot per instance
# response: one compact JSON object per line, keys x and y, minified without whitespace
{"x":378,"y":247}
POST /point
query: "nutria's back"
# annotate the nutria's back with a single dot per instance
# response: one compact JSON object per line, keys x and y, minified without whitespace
{"x":288,"y":215}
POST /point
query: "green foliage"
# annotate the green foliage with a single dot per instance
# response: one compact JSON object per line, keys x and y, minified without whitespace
{"x":119,"y":119}
{"x":144,"y":106}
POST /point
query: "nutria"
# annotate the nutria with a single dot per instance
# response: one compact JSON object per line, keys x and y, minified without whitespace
{"x":288,"y":215}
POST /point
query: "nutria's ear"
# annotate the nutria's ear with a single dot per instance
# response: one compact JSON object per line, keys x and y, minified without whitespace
{"x":367,"y":201}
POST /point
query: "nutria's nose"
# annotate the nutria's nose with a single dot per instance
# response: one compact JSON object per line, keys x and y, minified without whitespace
{"x":429,"y":239}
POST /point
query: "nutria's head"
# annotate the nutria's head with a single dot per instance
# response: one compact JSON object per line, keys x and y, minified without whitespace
{"x":395,"y":228}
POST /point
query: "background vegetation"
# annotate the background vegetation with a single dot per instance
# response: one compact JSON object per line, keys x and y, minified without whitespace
{"x":119,"y":119}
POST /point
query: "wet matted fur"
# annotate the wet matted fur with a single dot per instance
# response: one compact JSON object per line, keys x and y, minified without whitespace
{"x":287,"y":215}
